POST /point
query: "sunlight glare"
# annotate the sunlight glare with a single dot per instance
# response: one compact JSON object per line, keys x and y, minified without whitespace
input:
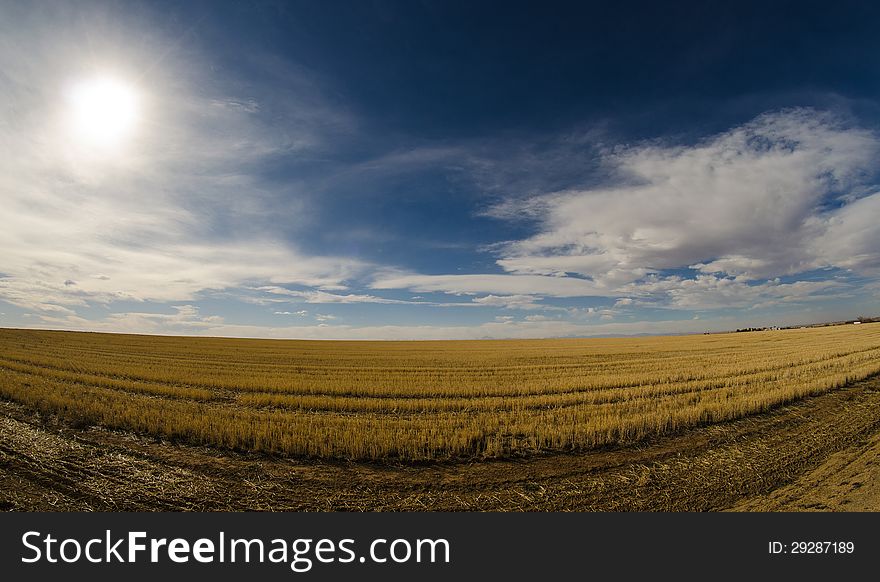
{"x":103,"y":111}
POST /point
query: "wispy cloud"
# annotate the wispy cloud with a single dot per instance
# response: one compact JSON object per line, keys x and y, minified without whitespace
{"x":179,"y":210}
{"x":319,"y":296}
{"x":243,"y":166}
{"x":489,"y":283}
{"x":706,"y":292}
{"x":787,"y":193}
{"x":757,"y":201}
{"x":276,"y":294}
{"x":527,"y":302}
{"x":504,"y":327}
{"x":186,"y":319}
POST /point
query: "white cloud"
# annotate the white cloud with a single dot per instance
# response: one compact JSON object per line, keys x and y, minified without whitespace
{"x":491,"y":283}
{"x":779,"y":196}
{"x":526,"y":302}
{"x":852,"y":236}
{"x":711,"y":292}
{"x":181,"y":211}
{"x":510,"y":301}
{"x":537,"y":318}
{"x":748,"y":202}
{"x":318,"y":296}
{"x":36,"y":271}
{"x":504,"y":327}
{"x":185,"y":320}
{"x":174,"y":212}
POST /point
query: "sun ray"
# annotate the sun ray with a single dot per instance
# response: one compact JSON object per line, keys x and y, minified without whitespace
{"x":103,"y":111}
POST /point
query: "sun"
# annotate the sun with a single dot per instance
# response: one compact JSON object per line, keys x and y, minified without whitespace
{"x":102,"y":111}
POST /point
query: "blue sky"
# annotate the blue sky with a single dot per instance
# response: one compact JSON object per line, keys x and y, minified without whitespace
{"x":422,"y":170}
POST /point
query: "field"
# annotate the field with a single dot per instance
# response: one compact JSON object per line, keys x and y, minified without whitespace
{"x":481,"y":417}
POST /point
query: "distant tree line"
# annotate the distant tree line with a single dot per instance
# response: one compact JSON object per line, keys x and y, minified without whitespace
{"x":771,"y":328}
{"x":860,"y":319}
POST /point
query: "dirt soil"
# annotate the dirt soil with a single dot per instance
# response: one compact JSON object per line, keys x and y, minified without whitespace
{"x":822,"y":453}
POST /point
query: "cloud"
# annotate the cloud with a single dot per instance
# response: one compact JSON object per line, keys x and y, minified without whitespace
{"x":177,"y":211}
{"x":756,"y":201}
{"x":503,"y":327}
{"x":154,"y":272}
{"x":510,"y":301}
{"x":711,"y":292}
{"x":537,"y":318}
{"x":490,"y":283}
{"x":527,"y":302}
{"x":787,"y":193}
{"x":318,"y":296}
{"x":851,"y":237}
{"x":192,"y":206}
{"x":186,"y":319}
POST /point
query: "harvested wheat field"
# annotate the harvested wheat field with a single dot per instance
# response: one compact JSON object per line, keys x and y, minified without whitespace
{"x":738,"y":421}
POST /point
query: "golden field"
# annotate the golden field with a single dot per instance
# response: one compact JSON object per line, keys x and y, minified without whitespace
{"x":424,"y":400}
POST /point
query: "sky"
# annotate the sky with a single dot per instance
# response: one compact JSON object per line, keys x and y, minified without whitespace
{"x":438,"y":170}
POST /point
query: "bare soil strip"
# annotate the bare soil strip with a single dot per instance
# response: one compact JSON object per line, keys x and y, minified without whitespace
{"x":822,"y":453}
{"x":848,"y":480}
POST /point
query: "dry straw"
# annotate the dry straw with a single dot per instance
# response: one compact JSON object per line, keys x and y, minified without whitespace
{"x":424,"y":400}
